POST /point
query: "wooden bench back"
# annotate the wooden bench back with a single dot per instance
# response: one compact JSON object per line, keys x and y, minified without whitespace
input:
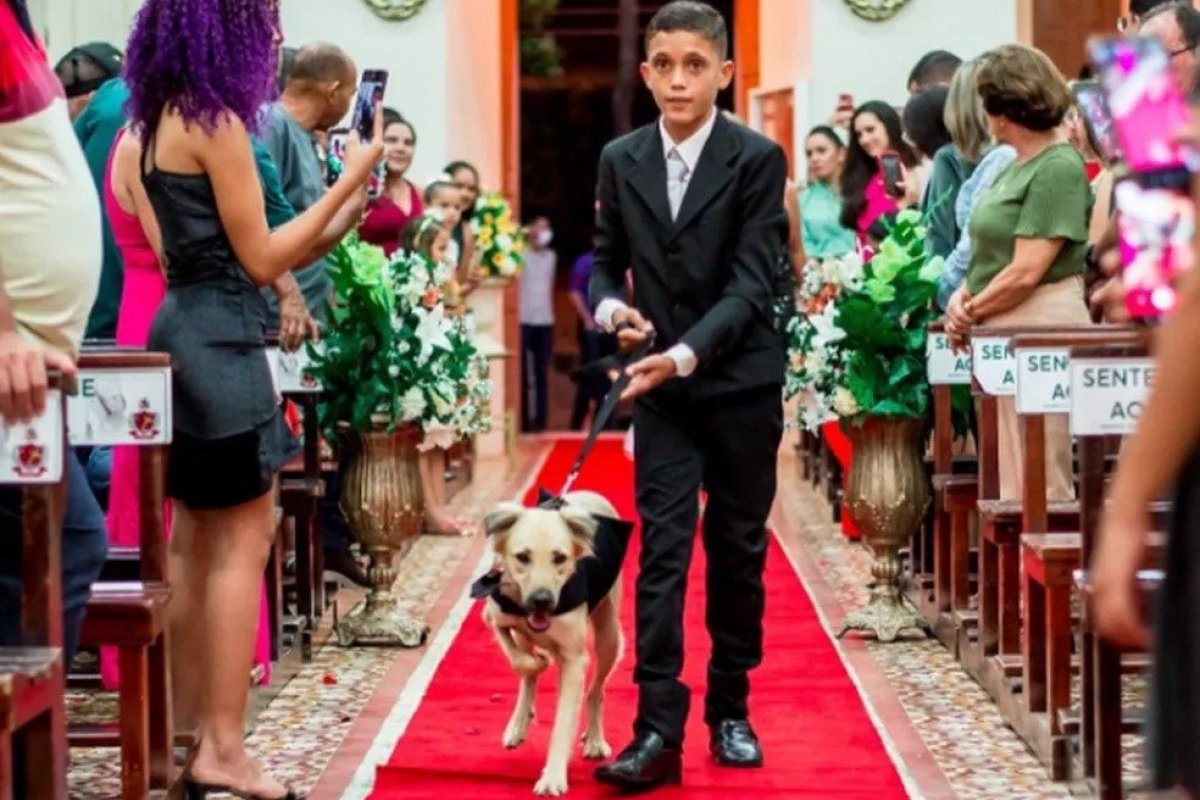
{"x":1034,"y":503}
{"x":152,"y":465}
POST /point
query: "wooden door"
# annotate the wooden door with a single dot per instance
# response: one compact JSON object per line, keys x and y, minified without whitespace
{"x":778,"y":121}
{"x":1061,"y":28}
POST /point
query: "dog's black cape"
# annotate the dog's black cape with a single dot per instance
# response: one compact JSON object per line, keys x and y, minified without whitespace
{"x":594,"y":576}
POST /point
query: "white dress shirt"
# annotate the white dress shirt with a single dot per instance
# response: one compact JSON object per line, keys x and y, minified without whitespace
{"x":688,"y":151}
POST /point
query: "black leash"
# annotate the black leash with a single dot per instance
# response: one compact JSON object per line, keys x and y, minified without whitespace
{"x":611,"y":400}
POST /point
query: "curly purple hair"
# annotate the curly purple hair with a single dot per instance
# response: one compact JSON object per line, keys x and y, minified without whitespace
{"x":205,"y":58}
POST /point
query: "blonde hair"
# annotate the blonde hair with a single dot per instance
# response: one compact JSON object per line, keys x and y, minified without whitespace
{"x":964,"y":115}
{"x":1022,"y":84}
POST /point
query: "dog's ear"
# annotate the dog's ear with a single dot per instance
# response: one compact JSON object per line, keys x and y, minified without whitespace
{"x":502,"y":518}
{"x":583,"y":529}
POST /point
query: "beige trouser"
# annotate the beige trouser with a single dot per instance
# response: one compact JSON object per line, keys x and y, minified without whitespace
{"x":1058,"y":303}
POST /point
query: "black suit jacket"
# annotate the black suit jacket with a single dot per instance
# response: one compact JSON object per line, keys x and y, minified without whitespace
{"x":707,"y":279}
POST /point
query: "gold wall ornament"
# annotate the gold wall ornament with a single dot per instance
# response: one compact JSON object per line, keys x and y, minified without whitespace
{"x":876,"y":10}
{"x":396,"y":10}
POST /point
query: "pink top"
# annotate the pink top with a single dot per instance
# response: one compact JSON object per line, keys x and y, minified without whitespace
{"x":144,"y":284}
{"x":879,"y":202}
{"x":385,"y":221}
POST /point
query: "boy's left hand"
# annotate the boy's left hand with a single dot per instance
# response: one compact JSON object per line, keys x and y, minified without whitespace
{"x":648,"y":374}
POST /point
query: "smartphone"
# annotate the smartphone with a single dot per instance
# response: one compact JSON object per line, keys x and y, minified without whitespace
{"x":845,"y":102}
{"x":336,"y":154}
{"x":893,"y":173}
{"x":1094,"y":109}
{"x":1147,"y":105}
{"x":1156,"y":223}
{"x":370,"y":94}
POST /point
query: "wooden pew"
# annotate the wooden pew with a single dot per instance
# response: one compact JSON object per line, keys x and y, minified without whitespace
{"x":946,"y":370}
{"x":990,"y":638}
{"x":1048,"y":558}
{"x":1099,"y":413}
{"x":301,"y":490}
{"x":132,"y":615}
{"x":32,"y":675}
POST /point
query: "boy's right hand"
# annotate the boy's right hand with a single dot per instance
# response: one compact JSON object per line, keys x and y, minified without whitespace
{"x":631,"y":327}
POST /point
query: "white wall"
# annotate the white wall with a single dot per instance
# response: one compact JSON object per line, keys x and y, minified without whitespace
{"x":872,"y":60}
{"x":413,"y":52}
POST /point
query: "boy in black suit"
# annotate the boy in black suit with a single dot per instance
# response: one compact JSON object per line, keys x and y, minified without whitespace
{"x":693,"y":204}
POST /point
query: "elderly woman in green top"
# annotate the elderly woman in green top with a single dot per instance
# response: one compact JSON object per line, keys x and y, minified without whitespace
{"x":1030,"y":236}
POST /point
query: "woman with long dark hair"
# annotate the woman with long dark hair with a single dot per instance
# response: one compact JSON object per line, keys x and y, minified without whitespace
{"x":198,"y":73}
{"x":874,"y":130}
{"x":400,"y":202}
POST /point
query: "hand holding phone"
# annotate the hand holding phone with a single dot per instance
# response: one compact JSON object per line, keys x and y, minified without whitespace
{"x":892,"y":169}
{"x":368,"y":102}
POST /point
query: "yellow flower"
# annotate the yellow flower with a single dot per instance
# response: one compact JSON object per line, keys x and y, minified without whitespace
{"x":497,"y":259}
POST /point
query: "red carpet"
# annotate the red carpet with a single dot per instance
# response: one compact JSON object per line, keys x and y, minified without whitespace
{"x":818,"y":740}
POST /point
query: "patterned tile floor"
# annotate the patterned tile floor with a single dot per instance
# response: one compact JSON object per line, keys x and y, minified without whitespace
{"x":303,"y":718}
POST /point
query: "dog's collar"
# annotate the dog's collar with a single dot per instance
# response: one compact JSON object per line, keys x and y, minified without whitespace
{"x":612,"y":540}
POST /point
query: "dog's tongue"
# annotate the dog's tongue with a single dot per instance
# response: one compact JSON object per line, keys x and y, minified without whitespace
{"x":539,"y":621}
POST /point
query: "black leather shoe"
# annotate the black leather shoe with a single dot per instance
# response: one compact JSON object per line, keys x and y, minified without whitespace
{"x":734,"y":744}
{"x":646,"y":763}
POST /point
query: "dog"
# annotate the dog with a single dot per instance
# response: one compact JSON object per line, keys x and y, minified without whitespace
{"x":542,"y":557}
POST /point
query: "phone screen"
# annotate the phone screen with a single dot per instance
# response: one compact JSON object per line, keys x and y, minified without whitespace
{"x":1094,"y":109}
{"x":370,"y":94}
{"x":893,"y":173}
{"x":336,"y":155}
{"x":1147,"y":105}
{"x":1156,"y":223}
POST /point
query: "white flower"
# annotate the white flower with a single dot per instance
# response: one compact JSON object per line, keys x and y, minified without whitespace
{"x":432,"y":331}
{"x":844,"y":403}
{"x":412,"y":405}
{"x":437,"y":435}
{"x":827,"y":331}
{"x":394,"y":370}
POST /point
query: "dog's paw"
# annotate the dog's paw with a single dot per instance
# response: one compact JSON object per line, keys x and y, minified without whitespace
{"x":551,"y":784}
{"x":530,"y":666}
{"x":595,"y":748}
{"x":514,"y":736}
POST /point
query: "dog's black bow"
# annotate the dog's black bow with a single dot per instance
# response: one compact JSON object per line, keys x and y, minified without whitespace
{"x":594,"y":575}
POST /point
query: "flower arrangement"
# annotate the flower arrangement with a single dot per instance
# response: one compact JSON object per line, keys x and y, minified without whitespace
{"x":816,"y":356}
{"x":499,"y":240}
{"x":391,"y":355}
{"x":865,"y":353}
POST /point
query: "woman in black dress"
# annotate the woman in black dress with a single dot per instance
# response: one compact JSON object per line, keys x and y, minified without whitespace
{"x":198,"y":71}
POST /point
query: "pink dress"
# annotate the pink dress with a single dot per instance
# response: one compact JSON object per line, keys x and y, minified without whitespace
{"x":879,"y":202}
{"x":143,"y":290}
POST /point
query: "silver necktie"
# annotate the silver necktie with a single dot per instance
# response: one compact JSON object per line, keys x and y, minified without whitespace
{"x":677,"y":176}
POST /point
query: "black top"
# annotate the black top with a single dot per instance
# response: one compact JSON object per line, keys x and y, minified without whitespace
{"x":593,"y":578}
{"x":213,"y":320}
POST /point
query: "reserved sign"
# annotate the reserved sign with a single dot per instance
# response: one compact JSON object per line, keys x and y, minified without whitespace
{"x":121,"y":406}
{"x":34,"y":453}
{"x":995,"y":365}
{"x":290,"y":370}
{"x":1108,"y":395}
{"x":946,"y":367}
{"x":1043,"y":380}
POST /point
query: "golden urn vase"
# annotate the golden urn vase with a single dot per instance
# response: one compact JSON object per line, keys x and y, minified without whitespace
{"x":888,"y":494}
{"x":383,"y":504}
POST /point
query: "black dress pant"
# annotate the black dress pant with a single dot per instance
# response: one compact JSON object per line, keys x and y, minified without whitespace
{"x":729,"y":446}
{"x":537,"y":347}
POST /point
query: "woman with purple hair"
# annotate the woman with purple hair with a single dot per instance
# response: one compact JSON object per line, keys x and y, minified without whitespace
{"x":198,"y":72}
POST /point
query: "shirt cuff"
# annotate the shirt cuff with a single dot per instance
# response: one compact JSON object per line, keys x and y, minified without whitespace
{"x":604,"y":312}
{"x":684,"y":358}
